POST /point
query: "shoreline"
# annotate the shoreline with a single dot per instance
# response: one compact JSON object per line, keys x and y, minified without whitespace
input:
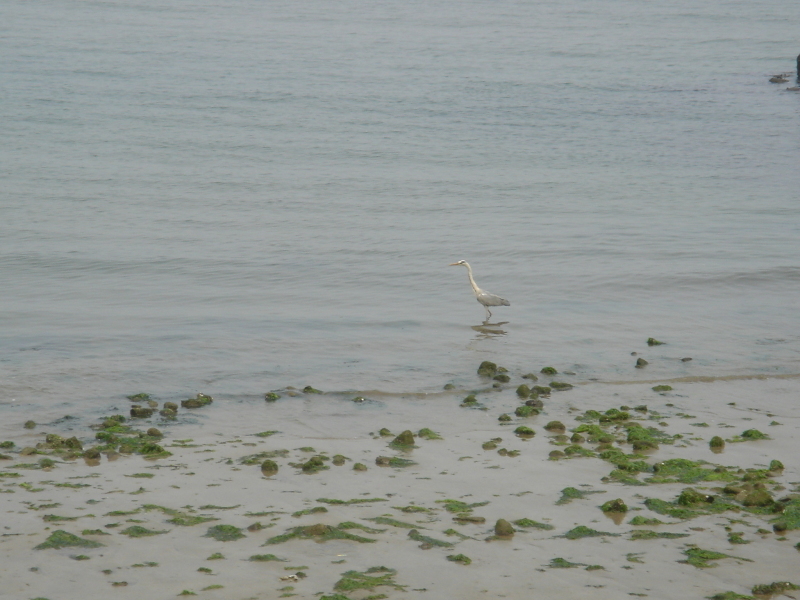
{"x":517,"y":479}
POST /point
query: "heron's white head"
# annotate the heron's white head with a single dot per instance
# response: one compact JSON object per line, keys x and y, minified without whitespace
{"x":459,"y":263}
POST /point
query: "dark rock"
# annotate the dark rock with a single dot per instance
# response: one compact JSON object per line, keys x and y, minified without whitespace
{"x":503,"y":528}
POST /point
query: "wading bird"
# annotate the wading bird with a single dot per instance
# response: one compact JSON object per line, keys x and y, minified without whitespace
{"x":482,"y":296}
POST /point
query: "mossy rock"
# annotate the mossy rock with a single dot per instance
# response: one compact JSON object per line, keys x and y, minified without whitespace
{"x":615,"y":506}
{"x":555,"y":426}
{"x":383,"y":432}
{"x":526,"y":523}
{"x":758,"y":497}
{"x":653,"y":342}
{"x":197,"y":402}
{"x":315,"y":464}
{"x":224,"y":533}
{"x":359,"y":467}
{"x":393,"y":461}
{"x":29,"y":424}
{"x":311,"y":390}
{"x":487,"y":369}
{"x":156,"y":433}
{"x":502,"y":378}
{"x":404,"y":440}
{"x":428,"y":434}
{"x":560,"y":386}
{"x":774,"y":588}
{"x":271,"y":396}
{"x":662,"y":388}
{"x":530,"y":376}
{"x":269,"y":467}
{"x":462,"y":559}
{"x":524,"y":431}
{"x":691,"y":497}
{"x":775,"y":466}
{"x":716,"y":442}
{"x":504,"y":418}
{"x":503,"y":528}
{"x":526,"y":411}
{"x":339,"y":460}
{"x":265,"y":558}
{"x":541,"y":390}
{"x":523,"y":391}
{"x":137,"y":531}
{"x":581,"y":531}
{"x":63,"y":539}
{"x":549,"y":371}
{"x":754,"y":434}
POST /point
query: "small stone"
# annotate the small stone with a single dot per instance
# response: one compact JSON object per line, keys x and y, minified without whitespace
{"x":269,"y":467}
{"x":404,"y":439}
{"x":687,"y":359}
{"x":141,"y":412}
{"x":29,"y":424}
{"x":716,"y":442}
{"x":503,"y":528}
{"x":153,"y":432}
{"x":359,"y":467}
{"x":487,"y":369}
{"x":640,"y":362}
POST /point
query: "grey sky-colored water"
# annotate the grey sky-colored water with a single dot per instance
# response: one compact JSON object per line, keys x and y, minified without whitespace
{"x":231,"y":197}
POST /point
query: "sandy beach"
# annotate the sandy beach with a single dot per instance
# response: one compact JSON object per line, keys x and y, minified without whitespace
{"x":424,"y":530}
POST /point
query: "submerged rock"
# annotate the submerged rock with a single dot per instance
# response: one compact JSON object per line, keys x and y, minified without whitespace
{"x":549,"y":371}
{"x":503,"y":528}
{"x":197,"y":402}
{"x":487,"y":369}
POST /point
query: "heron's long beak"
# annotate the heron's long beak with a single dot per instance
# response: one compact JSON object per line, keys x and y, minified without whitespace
{"x":453,"y":264}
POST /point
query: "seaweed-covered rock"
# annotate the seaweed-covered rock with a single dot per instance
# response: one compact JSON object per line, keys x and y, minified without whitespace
{"x":359,"y":467}
{"x":776,"y":587}
{"x":640,"y":363}
{"x":487,"y":369}
{"x":716,"y":442}
{"x":653,"y":342}
{"x":577,"y":438}
{"x":555,"y":426}
{"x":549,"y":371}
{"x":73,"y":443}
{"x":541,"y":390}
{"x":523,"y":431}
{"x":92,"y":454}
{"x":526,"y":411}
{"x":271,"y":396}
{"x":504,"y":418}
{"x":141,"y":412}
{"x":199,"y":401}
{"x":560,"y":386}
{"x":63,"y":539}
{"x":502,"y":378}
{"x":503,"y":528}
{"x":29,"y":424}
{"x":338,"y":460}
{"x":615,"y":506}
{"x":530,"y":376}
{"x":775,"y":465}
{"x":758,"y":497}
{"x":311,"y":390}
{"x":406,"y":438}
{"x":224,"y":533}
{"x":662,"y":388}
{"x":153,"y":432}
{"x":523,"y":391}
{"x":269,"y":467}
{"x":428,"y":434}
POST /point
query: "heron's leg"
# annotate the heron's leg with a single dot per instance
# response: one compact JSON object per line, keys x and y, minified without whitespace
{"x":488,"y":313}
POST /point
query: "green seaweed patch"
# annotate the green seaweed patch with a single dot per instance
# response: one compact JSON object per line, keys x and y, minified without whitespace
{"x":662,"y":388}
{"x":569,"y":494}
{"x":224,"y":533}
{"x":264,"y":434}
{"x":216,"y":556}
{"x":640,"y":520}
{"x":9,"y":474}
{"x":776,"y":587}
{"x":412,"y":508}
{"x":750,"y":435}
{"x":654,"y":342}
{"x":351,"y":501}
{"x":457,"y":506}
{"x":681,"y":470}
{"x":392,"y":522}
{"x":649,"y":534}
{"x":560,"y":386}
{"x":697,"y":557}
{"x":462,"y":559}
{"x":524,"y":432}
{"x":257,"y":459}
{"x":525,"y":411}
{"x":319,"y":532}
{"x":215,"y":507}
{"x":429,"y":434}
{"x":141,"y":475}
{"x":265,"y":558}
{"x":178,"y":517}
{"x":353,"y":525}
{"x":581,"y":531}
{"x":530,"y":523}
{"x":313,"y":465}
{"x":368,"y":580}
{"x":394,"y":461}
{"x":309,"y":511}
{"x":579,"y":451}
{"x":137,"y":531}
{"x":735,"y":537}
{"x":615,"y":506}
{"x":404,"y":441}
{"x":729,"y":596}
{"x":63,"y":539}
{"x":94,"y":532}
{"x":790,"y":519}
{"x":58,"y":518}
{"x":418,"y":537}
{"x":563,"y":563}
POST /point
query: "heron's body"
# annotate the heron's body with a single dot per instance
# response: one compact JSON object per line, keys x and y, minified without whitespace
{"x":482,"y":296}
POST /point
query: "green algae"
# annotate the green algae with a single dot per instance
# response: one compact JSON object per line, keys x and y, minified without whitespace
{"x":63,"y":539}
{"x":393,"y":522}
{"x":729,"y":596}
{"x":549,"y":371}
{"x":137,"y":531}
{"x":271,"y":396}
{"x":562,"y":563}
{"x":264,"y":434}
{"x":662,"y":388}
{"x":462,"y":559}
{"x":351,"y":501}
{"x":523,"y":431}
{"x":525,"y":411}
{"x":269,"y":467}
{"x":697,"y":557}
{"x":640,"y":520}
{"x":429,"y":434}
{"x":681,"y":470}
{"x":560,"y":386}
{"x":353,"y":525}
{"x":418,"y":537}
{"x":523,"y":391}
{"x":94,"y":532}
{"x":502,"y":378}
{"x":735,"y":537}
{"x":776,"y":587}
{"x":649,"y":534}
{"x":527,"y":523}
{"x":359,"y":467}
{"x":569,"y":494}
{"x":790,"y":519}
{"x":313,"y":465}
{"x":615,"y":506}
{"x":140,"y":397}
{"x":487,"y":369}
{"x":394,"y":461}
{"x":224,"y":533}
{"x":178,"y":517}
{"x":750,"y":435}
{"x":413,"y":508}
{"x":581,"y":531}
{"x":368,"y":580}
{"x":215,"y":507}
{"x":309,"y":511}
{"x":320,"y":532}
{"x":653,"y":342}
{"x":58,"y":518}
{"x":141,"y":475}
{"x":216,"y":556}
{"x":265,"y":558}
{"x":457,"y":506}
{"x":404,"y":440}
{"x":575,"y":450}
{"x":255,"y":459}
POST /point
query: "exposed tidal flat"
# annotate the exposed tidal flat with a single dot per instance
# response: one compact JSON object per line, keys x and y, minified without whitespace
{"x":523,"y":485}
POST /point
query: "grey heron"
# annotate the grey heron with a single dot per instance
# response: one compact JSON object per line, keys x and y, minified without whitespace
{"x":481,"y":296}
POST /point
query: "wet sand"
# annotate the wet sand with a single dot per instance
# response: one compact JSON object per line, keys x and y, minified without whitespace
{"x":205,"y":477}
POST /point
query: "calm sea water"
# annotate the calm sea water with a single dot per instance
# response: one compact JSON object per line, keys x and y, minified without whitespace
{"x":232,"y":197}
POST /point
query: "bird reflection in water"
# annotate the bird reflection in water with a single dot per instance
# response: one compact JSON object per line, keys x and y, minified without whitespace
{"x":489,"y":330}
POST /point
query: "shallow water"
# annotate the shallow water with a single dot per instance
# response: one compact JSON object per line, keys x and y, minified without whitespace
{"x":235,"y":197}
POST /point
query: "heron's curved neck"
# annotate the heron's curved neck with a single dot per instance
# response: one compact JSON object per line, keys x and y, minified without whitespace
{"x":475,"y":287}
